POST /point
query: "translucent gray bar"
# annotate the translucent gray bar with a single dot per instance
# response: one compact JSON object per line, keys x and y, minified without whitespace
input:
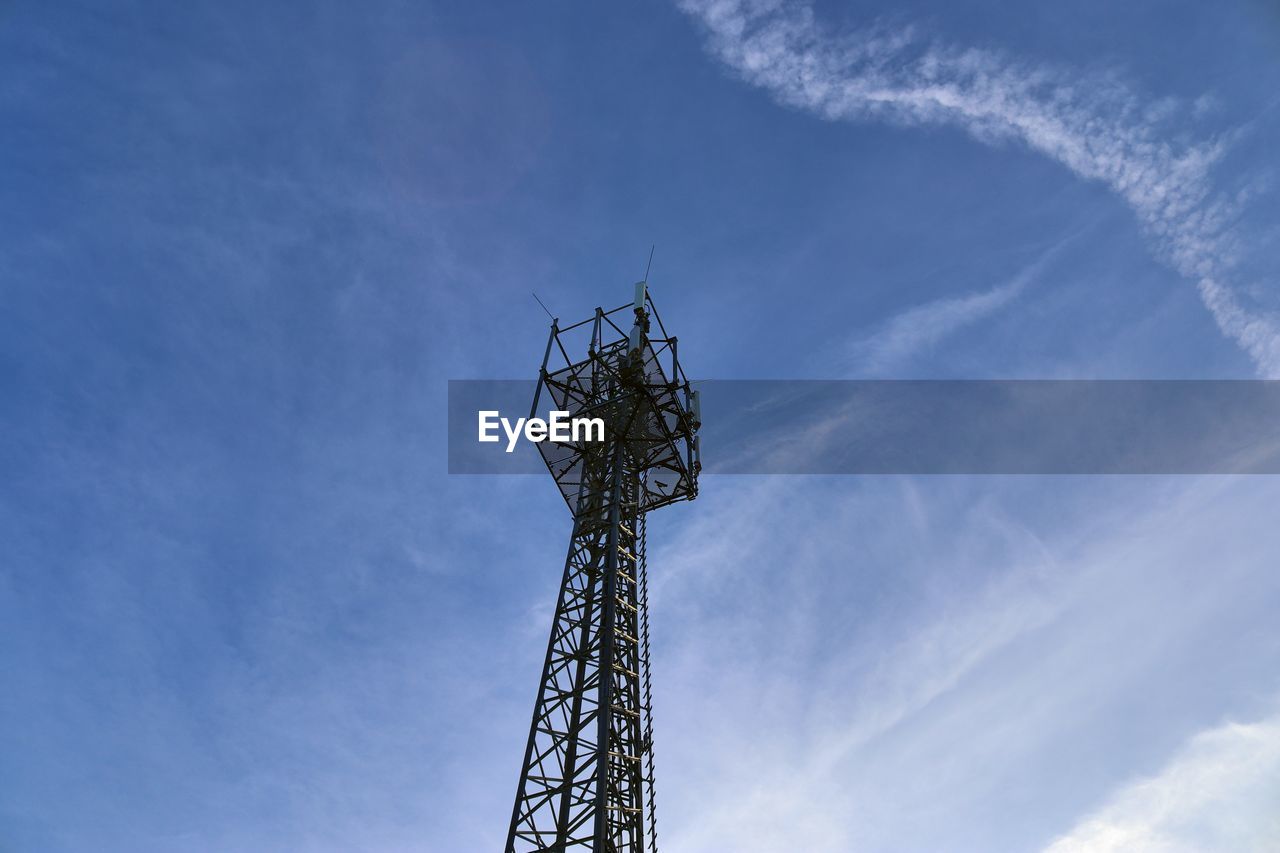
{"x":938,"y":427}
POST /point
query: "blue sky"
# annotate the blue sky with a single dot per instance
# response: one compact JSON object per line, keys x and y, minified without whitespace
{"x":243,"y":247}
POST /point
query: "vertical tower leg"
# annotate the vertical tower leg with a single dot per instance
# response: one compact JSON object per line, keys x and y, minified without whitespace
{"x":620,"y":819}
{"x":646,"y":687}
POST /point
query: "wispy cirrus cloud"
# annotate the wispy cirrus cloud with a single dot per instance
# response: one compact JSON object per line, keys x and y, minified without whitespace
{"x":1218,"y":793}
{"x":922,"y":327}
{"x":913,"y":332}
{"x":961,"y":671}
{"x":1098,"y":128}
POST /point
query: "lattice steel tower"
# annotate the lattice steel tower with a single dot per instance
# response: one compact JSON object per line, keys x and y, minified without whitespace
{"x":587,"y":778}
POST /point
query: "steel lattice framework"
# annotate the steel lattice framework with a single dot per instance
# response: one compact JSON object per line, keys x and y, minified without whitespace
{"x":587,"y":778}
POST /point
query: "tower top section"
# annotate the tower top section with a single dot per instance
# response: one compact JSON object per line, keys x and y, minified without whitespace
{"x":623,"y":367}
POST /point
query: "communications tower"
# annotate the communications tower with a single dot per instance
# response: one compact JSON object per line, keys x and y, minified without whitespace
{"x":587,"y":779}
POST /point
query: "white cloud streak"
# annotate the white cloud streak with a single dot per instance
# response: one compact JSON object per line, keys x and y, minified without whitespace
{"x":1219,"y":793}
{"x":905,"y":336}
{"x":1096,"y":128}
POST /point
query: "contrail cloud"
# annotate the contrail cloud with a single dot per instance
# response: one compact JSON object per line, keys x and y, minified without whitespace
{"x":1094,"y":126}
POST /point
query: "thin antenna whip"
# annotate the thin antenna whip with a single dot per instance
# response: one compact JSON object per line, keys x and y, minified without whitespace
{"x":646,"y":266}
{"x":544,"y":308}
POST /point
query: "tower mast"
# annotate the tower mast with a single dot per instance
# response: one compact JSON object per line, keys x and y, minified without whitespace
{"x":586,"y":783}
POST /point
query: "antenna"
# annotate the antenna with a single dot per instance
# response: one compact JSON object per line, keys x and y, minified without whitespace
{"x":544,"y":308}
{"x":646,"y":266}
